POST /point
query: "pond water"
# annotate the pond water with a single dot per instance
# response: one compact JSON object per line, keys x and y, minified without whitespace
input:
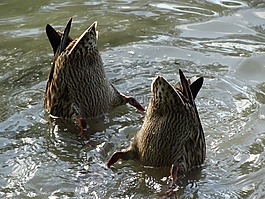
{"x":223,"y":41}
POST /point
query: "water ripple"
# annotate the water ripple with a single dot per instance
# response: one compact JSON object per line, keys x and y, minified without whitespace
{"x":181,"y":9}
{"x":229,"y":3}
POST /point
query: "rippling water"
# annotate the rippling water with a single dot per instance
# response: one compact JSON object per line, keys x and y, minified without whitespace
{"x":222,"y":41}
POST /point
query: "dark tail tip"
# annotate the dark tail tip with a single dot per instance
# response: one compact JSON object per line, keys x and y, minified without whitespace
{"x":53,"y":37}
{"x":196,"y":86}
{"x":64,"y":41}
{"x":185,"y":86}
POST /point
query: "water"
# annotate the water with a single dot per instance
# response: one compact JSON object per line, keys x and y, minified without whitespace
{"x":222,"y":41}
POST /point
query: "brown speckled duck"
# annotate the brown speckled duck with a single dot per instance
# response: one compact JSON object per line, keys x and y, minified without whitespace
{"x":77,"y":85}
{"x":171,"y":134}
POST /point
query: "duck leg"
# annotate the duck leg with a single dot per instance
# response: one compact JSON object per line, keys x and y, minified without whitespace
{"x":115,"y":157}
{"x":173,"y":172}
{"x":132,"y":101}
{"x":82,"y":124}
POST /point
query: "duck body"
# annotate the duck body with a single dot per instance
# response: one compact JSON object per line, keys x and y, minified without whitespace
{"x":171,"y":132}
{"x":77,"y":84}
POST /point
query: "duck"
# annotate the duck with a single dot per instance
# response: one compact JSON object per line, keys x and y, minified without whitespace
{"x":171,"y":133}
{"x":77,"y":86}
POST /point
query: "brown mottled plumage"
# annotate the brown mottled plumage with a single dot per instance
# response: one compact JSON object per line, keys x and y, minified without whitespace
{"x":172,"y":131}
{"x":77,"y":84}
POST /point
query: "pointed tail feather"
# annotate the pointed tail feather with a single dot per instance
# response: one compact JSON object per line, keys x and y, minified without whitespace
{"x":53,"y":37}
{"x":185,"y":86}
{"x":64,"y":40}
{"x":196,"y":86}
